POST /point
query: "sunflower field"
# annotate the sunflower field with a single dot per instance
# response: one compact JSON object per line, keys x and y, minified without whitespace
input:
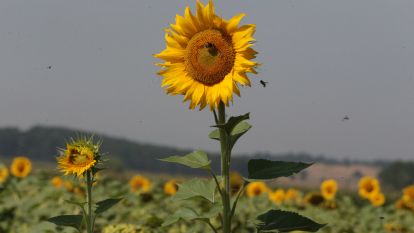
{"x":29,"y":197}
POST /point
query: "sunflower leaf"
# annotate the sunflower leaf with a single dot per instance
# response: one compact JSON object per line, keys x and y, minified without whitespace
{"x":74,"y":221}
{"x":189,"y":214}
{"x":284,"y":221}
{"x":196,"y":188}
{"x":262,"y":169}
{"x":232,"y":123}
{"x":104,"y":205}
{"x":196,"y":159}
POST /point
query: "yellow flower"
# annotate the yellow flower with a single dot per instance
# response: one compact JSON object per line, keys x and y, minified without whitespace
{"x":292,"y":195}
{"x":377,"y":199}
{"x":57,"y":181}
{"x":68,"y":185}
{"x":207,"y":57}
{"x":408,"y":193}
{"x":368,"y":186}
{"x":236,"y":182}
{"x":277,"y":196}
{"x":78,"y":157}
{"x":140,"y":183}
{"x":329,"y":189}
{"x":4,"y":174}
{"x":171,"y":187}
{"x":256,"y":189}
{"x":313,"y":198}
{"x":404,"y":204}
{"x":21,"y":167}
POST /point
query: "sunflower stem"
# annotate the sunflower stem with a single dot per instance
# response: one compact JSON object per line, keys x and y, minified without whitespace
{"x":89,"y":217}
{"x":225,"y":167}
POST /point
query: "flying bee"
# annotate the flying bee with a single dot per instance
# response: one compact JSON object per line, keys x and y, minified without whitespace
{"x":346,"y":117}
{"x":263,"y":83}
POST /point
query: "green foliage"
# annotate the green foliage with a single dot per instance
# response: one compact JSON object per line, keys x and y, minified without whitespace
{"x":284,"y":221}
{"x":196,"y":188}
{"x":74,"y":221}
{"x":262,"y":169}
{"x":104,"y":205}
{"x":196,"y":159}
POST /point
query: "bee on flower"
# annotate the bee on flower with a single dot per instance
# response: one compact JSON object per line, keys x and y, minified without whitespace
{"x":329,"y":189}
{"x":140,"y":183}
{"x":257,"y":188}
{"x":21,"y":167}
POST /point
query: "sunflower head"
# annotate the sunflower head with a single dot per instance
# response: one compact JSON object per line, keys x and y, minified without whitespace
{"x":21,"y":167}
{"x":377,"y":199}
{"x":256,"y":188}
{"x":57,"y":182}
{"x":79,"y":156}
{"x":4,"y":173}
{"x":140,"y":183}
{"x":277,"y":196}
{"x":207,"y":57}
{"x":171,"y":187}
{"x":314,"y":199}
{"x":292,"y":195}
{"x":408,"y":193}
{"x":368,"y":186}
{"x":329,"y":189}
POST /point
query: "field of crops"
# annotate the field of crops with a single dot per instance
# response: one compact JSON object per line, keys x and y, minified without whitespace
{"x":27,"y":202}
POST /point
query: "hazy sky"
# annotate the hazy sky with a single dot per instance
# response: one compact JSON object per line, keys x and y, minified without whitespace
{"x":323,"y":59}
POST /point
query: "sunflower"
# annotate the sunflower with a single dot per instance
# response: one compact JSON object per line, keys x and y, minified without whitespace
{"x":256,"y":189}
{"x":79,"y":156}
{"x":171,"y":187}
{"x":140,"y":183}
{"x":368,"y":186}
{"x":57,"y":182}
{"x":207,"y":57}
{"x":4,"y":174}
{"x":329,"y":189}
{"x":377,"y":199}
{"x":404,"y":204}
{"x":21,"y":167}
{"x":292,"y":195}
{"x":408,"y":193}
{"x":236,"y":182}
{"x":277,"y":196}
{"x":314,"y":198}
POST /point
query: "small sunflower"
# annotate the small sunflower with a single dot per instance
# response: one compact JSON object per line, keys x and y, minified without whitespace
{"x":292,"y":195}
{"x":256,"y":189}
{"x":57,"y":182}
{"x":236,"y":182}
{"x":171,"y":187}
{"x":404,"y":204}
{"x":79,"y":156}
{"x":377,"y":199}
{"x":277,"y":196}
{"x":140,"y":183}
{"x":408,"y":193}
{"x":368,"y":186}
{"x":21,"y":167}
{"x":4,"y":173}
{"x":329,"y":189}
{"x":207,"y":57}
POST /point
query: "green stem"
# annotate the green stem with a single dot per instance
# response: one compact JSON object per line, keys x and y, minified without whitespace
{"x":89,"y":217}
{"x":225,"y":167}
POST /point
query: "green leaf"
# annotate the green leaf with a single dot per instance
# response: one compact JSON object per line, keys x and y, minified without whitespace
{"x":283,"y":221}
{"x":196,"y":188}
{"x":232,"y":122}
{"x":238,"y":131}
{"x":104,"y":205}
{"x":262,"y":169}
{"x":189,"y":214}
{"x":74,"y":221}
{"x":196,"y":159}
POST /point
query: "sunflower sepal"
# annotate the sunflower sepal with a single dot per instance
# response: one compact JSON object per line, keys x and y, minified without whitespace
{"x":263,"y":169}
{"x":285,"y":221}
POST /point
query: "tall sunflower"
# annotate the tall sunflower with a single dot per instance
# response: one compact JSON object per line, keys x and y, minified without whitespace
{"x":79,"y":156}
{"x":207,"y":57}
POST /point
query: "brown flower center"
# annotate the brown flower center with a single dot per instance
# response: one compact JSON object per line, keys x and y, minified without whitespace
{"x":210,"y":56}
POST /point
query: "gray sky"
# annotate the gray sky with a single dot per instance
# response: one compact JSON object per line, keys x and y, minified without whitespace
{"x":323,"y":59}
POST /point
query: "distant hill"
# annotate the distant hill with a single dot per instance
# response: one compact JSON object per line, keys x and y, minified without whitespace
{"x":40,"y":143}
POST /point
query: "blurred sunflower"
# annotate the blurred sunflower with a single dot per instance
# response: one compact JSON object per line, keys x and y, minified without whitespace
{"x":377,"y":199}
{"x":21,"y":167}
{"x":69,"y":186}
{"x":207,"y":57}
{"x":314,"y":198}
{"x":139,"y":183}
{"x":329,"y":189}
{"x":404,"y":204}
{"x":408,"y":193}
{"x":171,"y":187}
{"x":256,"y":189}
{"x":277,"y":196}
{"x":57,"y":182}
{"x":292,"y":195}
{"x":4,"y":173}
{"x":79,"y":156}
{"x":368,"y":186}
{"x":236,"y":182}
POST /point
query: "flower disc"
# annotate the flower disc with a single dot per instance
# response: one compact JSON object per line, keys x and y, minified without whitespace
{"x":207,"y":57}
